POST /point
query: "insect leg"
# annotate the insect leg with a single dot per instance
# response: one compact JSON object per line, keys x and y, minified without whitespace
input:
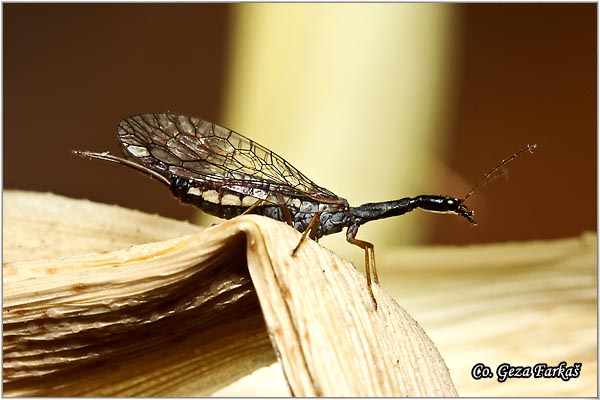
{"x":310,"y":230}
{"x":284,"y":209}
{"x":286,"y":212}
{"x":253,"y":207}
{"x":369,"y":257}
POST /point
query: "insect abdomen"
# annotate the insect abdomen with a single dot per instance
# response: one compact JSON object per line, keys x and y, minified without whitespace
{"x":223,"y":203}
{"x":212,"y":200}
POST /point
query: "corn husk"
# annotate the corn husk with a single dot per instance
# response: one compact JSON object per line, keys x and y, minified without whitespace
{"x":98,"y":302}
{"x":517,"y":303}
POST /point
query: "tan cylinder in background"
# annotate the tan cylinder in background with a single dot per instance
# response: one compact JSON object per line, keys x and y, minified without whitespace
{"x":353,"y":95}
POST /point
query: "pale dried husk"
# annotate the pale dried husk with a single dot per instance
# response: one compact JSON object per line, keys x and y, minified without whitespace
{"x":188,"y":315}
{"x":517,"y":303}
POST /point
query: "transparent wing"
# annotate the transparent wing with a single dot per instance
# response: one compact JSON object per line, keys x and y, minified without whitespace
{"x":174,"y":144}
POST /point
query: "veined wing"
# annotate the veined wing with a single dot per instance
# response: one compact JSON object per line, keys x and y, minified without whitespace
{"x":175,"y":144}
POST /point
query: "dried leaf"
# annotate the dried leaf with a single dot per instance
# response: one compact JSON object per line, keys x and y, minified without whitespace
{"x":516,"y":303}
{"x":182,"y":316}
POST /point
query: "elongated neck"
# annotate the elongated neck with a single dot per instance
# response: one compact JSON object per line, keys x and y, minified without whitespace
{"x":434,"y":203}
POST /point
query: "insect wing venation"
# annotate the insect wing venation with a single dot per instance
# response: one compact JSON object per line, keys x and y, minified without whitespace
{"x":205,"y":152}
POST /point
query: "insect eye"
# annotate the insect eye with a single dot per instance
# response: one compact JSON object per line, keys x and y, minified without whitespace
{"x":452,"y":204}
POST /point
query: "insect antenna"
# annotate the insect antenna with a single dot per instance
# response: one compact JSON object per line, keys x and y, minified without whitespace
{"x":498,"y":170}
{"x":109,"y":157}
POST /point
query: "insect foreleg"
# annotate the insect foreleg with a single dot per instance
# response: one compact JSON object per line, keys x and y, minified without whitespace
{"x":369,"y":258}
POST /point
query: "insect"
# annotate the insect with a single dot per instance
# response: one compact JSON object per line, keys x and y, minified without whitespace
{"x":225,"y":174}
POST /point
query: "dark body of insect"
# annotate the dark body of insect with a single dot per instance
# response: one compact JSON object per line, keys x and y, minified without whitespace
{"x":225,"y":174}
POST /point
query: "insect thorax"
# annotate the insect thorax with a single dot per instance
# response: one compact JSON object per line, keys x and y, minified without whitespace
{"x":224,"y":203}
{"x":333,"y":217}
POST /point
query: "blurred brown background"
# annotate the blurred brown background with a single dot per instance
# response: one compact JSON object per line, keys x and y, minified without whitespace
{"x":526,"y":74}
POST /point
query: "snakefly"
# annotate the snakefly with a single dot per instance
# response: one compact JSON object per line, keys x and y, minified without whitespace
{"x":225,"y":174}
